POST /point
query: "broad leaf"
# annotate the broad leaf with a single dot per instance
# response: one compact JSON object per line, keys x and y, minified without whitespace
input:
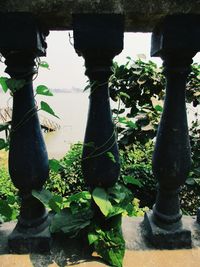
{"x":43,"y":90}
{"x":44,"y":196}
{"x":54,"y":165}
{"x":100,"y":197}
{"x":45,"y":107}
{"x":110,"y":245}
{"x":69,"y":223}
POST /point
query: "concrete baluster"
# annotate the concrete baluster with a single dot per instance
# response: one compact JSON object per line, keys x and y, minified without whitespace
{"x":21,"y":42}
{"x":176,"y":41}
{"x":98,"y":38}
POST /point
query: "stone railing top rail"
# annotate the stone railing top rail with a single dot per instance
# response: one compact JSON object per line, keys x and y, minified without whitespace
{"x":141,"y":16}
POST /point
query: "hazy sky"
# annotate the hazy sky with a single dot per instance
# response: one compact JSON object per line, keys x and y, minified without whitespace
{"x":67,"y":69}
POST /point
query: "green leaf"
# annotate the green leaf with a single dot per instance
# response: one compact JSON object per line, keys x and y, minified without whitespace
{"x":3,"y":144}
{"x":44,"y":64}
{"x":92,"y":238}
{"x":44,"y":196}
{"x":69,"y":223}
{"x":55,"y":165}
{"x":124,"y":95}
{"x":110,"y":245}
{"x":4,"y":84}
{"x":158,"y":108}
{"x":111,"y":156}
{"x":4,"y":126}
{"x":190,"y":181}
{"x":80,"y":196}
{"x":55,"y":203}
{"x":80,"y":202}
{"x":127,"y":122}
{"x":100,"y":197}
{"x":5,"y":209}
{"x":131,"y":180}
{"x":131,"y":124}
{"x":43,"y":90}
{"x":45,"y":107}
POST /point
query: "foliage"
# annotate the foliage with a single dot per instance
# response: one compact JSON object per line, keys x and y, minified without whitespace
{"x":136,"y":165}
{"x":9,"y":202}
{"x":97,"y":213}
{"x":140,"y":87}
{"x":66,"y":175}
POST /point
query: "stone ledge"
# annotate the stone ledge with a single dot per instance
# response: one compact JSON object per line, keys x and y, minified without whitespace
{"x":141,"y":16}
{"x":139,"y":253}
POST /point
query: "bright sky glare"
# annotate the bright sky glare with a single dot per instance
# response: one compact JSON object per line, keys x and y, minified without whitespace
{"x":67,"y":69}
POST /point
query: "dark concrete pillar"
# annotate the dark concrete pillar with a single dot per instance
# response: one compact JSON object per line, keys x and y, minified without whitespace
{"x":21,"y":42}
{"x":98,"y":38}
{"x":175,"y":40}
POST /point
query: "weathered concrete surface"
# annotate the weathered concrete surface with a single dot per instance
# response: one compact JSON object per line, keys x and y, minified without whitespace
{"x":140,"y":15}
{"x":138,"y":253}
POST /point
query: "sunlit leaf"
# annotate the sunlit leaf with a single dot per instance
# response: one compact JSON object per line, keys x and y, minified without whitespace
{"x":158,"y":108}
{"x":100,"y":197}
{"x":43,"y":90}
{"x":4,"y":84}
{"x":44,"y":64}
{"x":45,"y":107}
{"x":54,"y":165}
{"x":111,"y":156}
{"x":131,"y":180}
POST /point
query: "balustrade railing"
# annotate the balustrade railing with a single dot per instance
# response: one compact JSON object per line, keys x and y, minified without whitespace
{"x":98,"y":38}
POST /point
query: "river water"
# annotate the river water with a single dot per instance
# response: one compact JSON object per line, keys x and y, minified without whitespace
{"x":72,"y":110}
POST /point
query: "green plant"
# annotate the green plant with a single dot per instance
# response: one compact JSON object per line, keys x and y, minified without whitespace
{"x":9,"y":201}
{"x":13,"y":85}
{"x":97,"y":213}
{"x":139,"y":86}
{"x":66,"y":176}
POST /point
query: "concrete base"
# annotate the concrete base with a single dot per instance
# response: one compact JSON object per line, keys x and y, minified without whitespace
{"x":164,"y":239}
{"x":37,"y":240}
